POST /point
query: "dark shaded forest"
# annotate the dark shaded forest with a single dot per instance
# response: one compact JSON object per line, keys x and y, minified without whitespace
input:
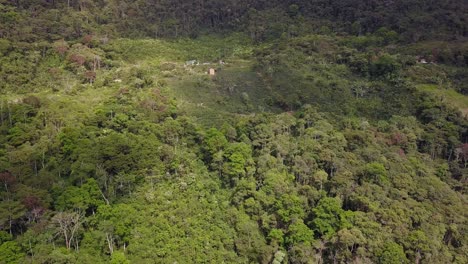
{"x":413,"y":20}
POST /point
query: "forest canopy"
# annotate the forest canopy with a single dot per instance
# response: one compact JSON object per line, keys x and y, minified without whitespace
{"x":240,"y":131}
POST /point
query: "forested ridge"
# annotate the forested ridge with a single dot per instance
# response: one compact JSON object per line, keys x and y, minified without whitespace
{"x":240,"y":131}
{"x":413,"y":19}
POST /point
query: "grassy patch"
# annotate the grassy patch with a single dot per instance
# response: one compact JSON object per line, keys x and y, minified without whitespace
{"x":235,"y":90}
{"x":203,"y":49}
{"x":450,"y":96}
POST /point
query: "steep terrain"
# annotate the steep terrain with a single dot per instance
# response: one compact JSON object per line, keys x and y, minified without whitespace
{"x":316,"y":140}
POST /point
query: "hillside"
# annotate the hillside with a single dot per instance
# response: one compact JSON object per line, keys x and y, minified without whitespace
{"x":413,"y":20}
{"x":266,"y":132}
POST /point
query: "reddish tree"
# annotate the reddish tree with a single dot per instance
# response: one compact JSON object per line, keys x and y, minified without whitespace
{"x":61,"y":47}
{"x":401,"y":152}
{"x":54,"y":72}
{"x":61,"y":50}
{"x":31,"y":202}
{"x":398,"y":138}
{"x":34,"y":206}
{"x":149,"y":104}
{"x":90,"y":76}
{"x":464,"y":153}
{"x":7,"y":180}
{"x":77,"y":59}
{"x":160,"y":97}
{"x":88,"y":39}
{"x":123,"y":91}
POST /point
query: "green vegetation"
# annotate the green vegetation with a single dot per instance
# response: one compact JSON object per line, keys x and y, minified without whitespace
{"x":449,"y":96}
{"x":331,"y":132}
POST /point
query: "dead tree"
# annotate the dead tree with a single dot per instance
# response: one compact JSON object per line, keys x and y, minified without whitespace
{"x":67,"y":225}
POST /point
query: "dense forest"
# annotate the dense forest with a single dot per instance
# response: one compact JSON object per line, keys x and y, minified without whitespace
{"x":55,"y":19}
{"x":240,"y":131}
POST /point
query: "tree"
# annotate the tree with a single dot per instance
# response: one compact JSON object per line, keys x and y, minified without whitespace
{"x":375,"y":172}
{"x":298,"y":232}
{"x":329,"y":217}
{"x":68,"y":224}
{"x":388,"y":36}
{"x":345,"y":244}
{"x":279,"y":257}
{"x":288,"y":207}
{"x":72,"y":198}
{"x":417,"y":244}
{"x":10,"y":252}
{"x":119,"y":258}
{"x":86,"y":198}
{"x":393,"y":253}
{"x":116,"y":222}
{"x":215,"y":141}
{"x":7,"y":180}
{"x":384,"y":65}
{"x":249,"y":240}
{"x":276,"y":236}
{"x":239,"y":161}
{"x":320,"y":177}
{"x":10,"y":212}
{"x":461,"y":153}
